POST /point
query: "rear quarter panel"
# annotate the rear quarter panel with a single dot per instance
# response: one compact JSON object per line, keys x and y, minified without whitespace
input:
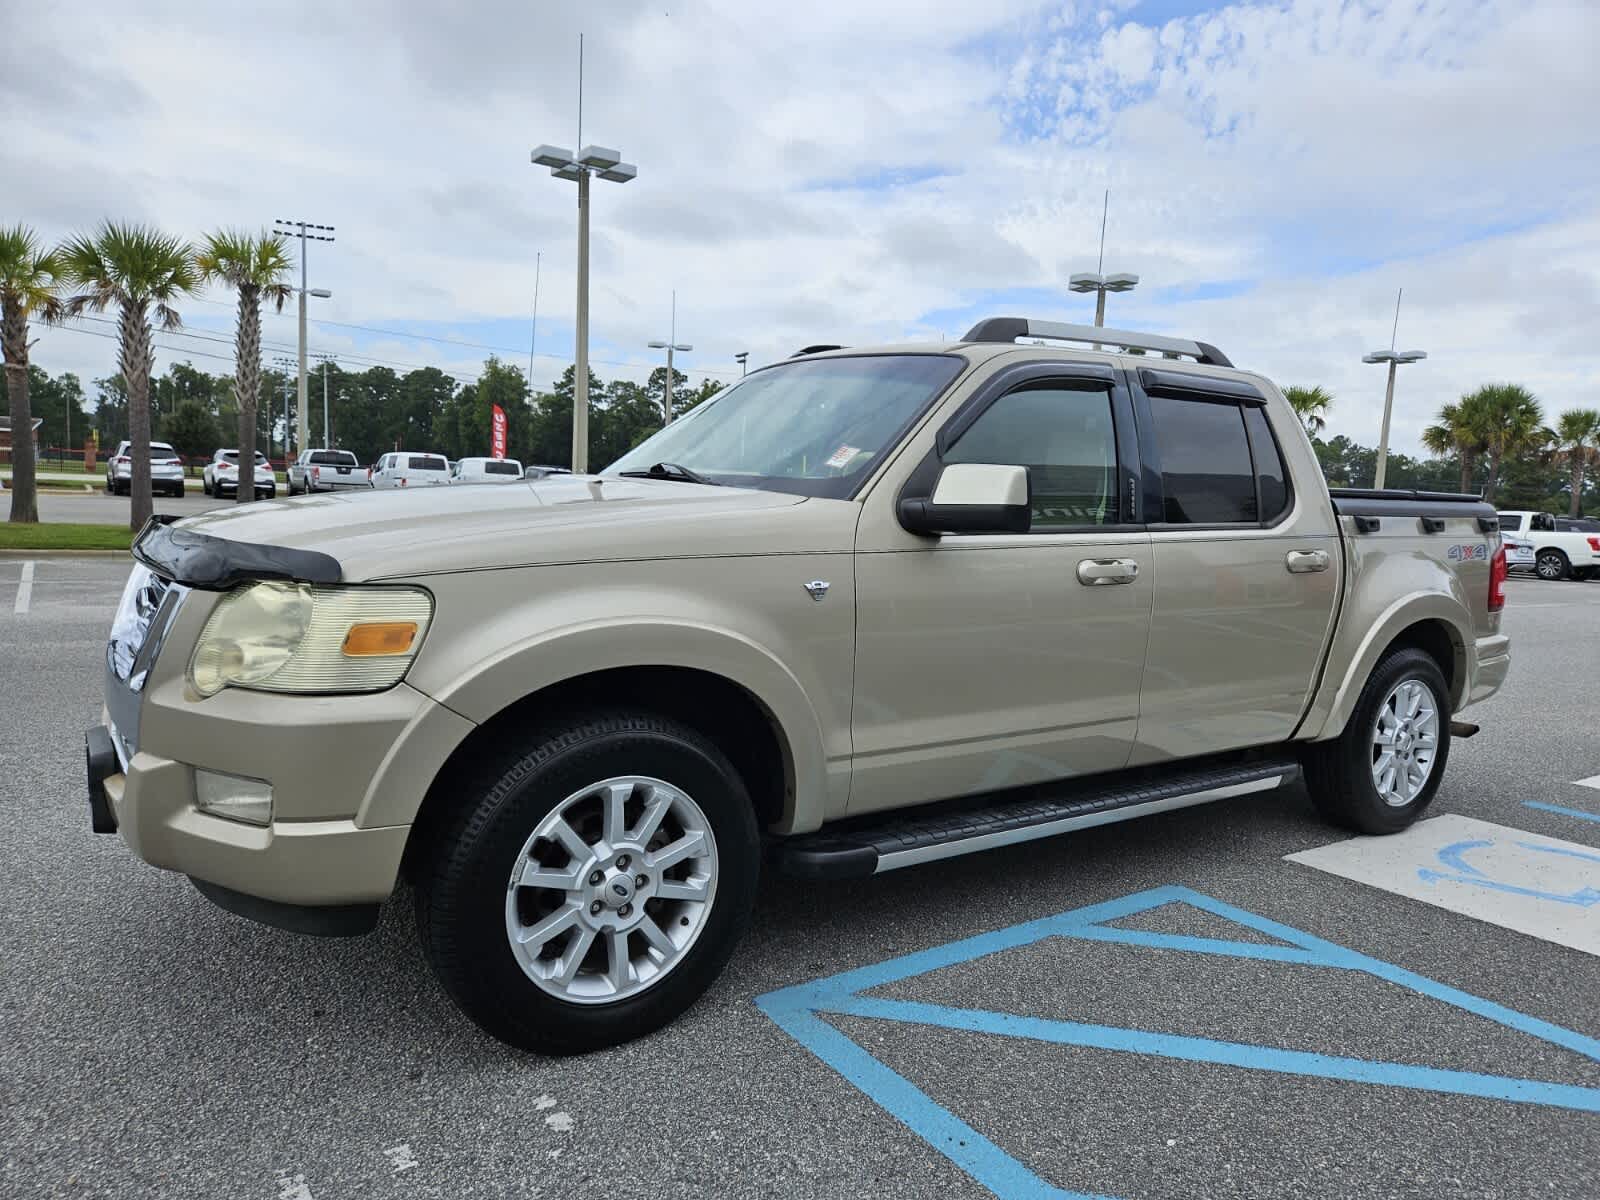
{"x":1396,"y":578}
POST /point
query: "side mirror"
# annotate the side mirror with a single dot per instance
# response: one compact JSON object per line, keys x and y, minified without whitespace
{"x":973,"y":498}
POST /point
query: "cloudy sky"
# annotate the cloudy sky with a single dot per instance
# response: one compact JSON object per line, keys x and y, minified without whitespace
{"x":854,"y":172}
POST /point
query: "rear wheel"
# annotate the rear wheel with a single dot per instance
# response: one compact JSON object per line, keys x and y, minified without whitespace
{"x":594,"y":883}
{"x":1552,"y":564}
{"x":1382,"y":772}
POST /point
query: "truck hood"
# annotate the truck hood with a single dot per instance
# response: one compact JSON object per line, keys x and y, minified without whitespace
{"x":572,"y":518}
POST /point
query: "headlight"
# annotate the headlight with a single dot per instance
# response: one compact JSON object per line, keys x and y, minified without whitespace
{"x":293,"y":637}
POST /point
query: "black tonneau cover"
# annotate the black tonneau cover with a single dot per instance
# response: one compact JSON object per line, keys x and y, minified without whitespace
{"x":216,"y":564}
{"x":1407,"y":502}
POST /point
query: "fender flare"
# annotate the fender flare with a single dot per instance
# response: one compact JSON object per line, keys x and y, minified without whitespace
{"x":568,"y":652}
{"x":1337,"y":698}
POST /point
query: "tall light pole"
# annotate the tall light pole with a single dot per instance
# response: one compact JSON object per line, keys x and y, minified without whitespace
{"x":285,"y":365}
{"x":743,"y":359}
{"x":327,"y":429}
{"x":299,"y":229}
{"x":670,"y":345}
{"x":1394,"y":358}
{"x":533,"y":338}
{"x":564,"y":164}
{"x":1097,"y":281}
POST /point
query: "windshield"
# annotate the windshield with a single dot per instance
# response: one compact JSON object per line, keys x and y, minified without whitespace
{"x":814,"y":426}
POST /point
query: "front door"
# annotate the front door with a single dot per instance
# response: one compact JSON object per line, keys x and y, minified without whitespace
{"x":987,"y":661}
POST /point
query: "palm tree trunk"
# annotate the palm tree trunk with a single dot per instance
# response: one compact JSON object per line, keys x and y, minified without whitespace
{"x":24,"y":480}
{"x":1466,"y":472}
{"x":1494,"y":476}
{"x":247,"y":386}
{"x":137,"y":363}
{"x":1574,"y":510}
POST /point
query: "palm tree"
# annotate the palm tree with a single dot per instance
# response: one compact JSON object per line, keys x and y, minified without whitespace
{"x":1576,"y":435}
{"x":1311,"y":406}
{"x":1511,"y":422}
{"x":141,"y":272}
{"x":30,"y":281}
{"x":256,"y":267}
{"x":1459,"y":432}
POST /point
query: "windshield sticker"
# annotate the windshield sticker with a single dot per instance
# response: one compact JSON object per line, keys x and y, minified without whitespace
{"x":843,"y":455}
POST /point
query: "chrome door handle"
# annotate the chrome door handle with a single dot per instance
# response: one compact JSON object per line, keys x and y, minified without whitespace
{"x":1096,"y":572}
{"x":1301,"y":561}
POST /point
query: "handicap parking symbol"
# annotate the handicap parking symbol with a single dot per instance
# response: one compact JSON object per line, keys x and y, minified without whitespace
{"x":800,"y":1010}
{"x":1458,"y":869}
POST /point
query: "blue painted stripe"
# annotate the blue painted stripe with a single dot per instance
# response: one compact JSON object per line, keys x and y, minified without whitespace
{"x":1233,"y":1054}
{"x":1198,"y":945}
{"x":1562,"y":809}
{"x":938,"y":1126}
{"x":1335,"y":955}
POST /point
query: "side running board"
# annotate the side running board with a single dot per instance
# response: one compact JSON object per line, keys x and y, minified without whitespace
{"x":869,"y":846}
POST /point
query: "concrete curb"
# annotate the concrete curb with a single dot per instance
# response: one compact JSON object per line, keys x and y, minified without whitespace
{"x":64,"y":554}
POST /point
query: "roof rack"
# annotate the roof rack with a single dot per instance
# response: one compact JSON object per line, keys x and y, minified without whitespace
{"x":814,"y":350}
{"x":1009,"y":329}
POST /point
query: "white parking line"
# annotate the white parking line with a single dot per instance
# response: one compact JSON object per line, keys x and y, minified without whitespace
{"x":1593,"y":781}
{"x":24,"y":589}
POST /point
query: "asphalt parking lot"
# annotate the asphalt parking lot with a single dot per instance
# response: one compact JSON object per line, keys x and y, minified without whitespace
{"x":97,"y":508}
{"x":1207,"y":1019}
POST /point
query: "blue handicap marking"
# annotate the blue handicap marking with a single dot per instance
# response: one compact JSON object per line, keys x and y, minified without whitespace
{"x":1454,"y":857}
{"x":799,"y":1012}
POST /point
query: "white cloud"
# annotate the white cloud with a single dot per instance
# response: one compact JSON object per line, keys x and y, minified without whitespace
{"x":1319,"y":154}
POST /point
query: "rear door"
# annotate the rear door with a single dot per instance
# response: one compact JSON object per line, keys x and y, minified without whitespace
{"x":1247,"y":571}
{"x":994,"y":660}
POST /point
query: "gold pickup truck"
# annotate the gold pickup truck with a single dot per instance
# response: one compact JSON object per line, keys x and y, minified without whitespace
{"x":866,"y":609}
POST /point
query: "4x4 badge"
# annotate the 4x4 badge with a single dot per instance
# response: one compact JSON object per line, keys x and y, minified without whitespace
{"x":818,"y":589}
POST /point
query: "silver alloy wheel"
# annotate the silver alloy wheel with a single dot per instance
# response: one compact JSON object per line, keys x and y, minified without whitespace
{"x":1405,"y":742}
{"x":611,"y":890}
{"x":1550,"y":565}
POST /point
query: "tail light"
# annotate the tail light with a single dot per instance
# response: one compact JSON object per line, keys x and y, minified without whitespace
{"x":1594,"y":544}
{"x":123,"y":458}
{"x":1497,"y":579}
{"x":369,"y":474}
{"x":316,"y":474}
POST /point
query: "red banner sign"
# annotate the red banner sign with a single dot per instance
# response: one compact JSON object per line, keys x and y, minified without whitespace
{"x":497,"y":432}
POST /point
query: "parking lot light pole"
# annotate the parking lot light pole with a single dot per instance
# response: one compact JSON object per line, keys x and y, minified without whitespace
{"x":1394,"y":358}
{"x":743,"y":359}
{"x":299,"y":229}
{"x":670,"y":346}
{"x":327,"y":429}
{"x":563,"y":164}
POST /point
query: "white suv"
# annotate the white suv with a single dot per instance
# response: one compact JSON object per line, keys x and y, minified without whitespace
{"x":221,"y":476}
{"x":166,"y":471}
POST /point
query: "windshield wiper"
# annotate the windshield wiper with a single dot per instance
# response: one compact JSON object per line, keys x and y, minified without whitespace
{"x":666,"y":470}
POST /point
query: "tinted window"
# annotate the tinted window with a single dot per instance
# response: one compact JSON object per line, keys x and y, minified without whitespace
{"x":161,"y":448}
{"x":1511,"y":522}
{"x":1066,"y":439}
{"x":233,"y":456}
{"x":1205,"y":463}
{"x":428,"y":462}
{"x":333,"y":458}
{"x":1544,"y":523}
{"x":498,"y":467}
{"x":1270,"y":470}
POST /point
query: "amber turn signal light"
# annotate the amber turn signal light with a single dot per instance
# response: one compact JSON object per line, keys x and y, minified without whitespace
{"x":378,"y":638}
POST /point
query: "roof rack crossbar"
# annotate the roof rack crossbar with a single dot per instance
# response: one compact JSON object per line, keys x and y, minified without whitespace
{"x":1009,"y":329}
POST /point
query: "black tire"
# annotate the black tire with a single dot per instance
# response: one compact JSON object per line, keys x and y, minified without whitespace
{"x":205,"y":487}
{"x":1552,"y":564}
{"x":1339,"y":772}
{"x":461,"y":886}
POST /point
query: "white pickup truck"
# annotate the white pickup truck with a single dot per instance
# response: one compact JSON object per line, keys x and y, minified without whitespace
{"x":1557,"y":553}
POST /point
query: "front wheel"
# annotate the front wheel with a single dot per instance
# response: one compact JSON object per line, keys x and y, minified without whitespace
{"x":1552,"y":564}
{"x":593,"y":883}
{"x":1382,"y":772}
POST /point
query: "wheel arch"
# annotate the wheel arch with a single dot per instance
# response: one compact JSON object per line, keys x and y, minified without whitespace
{"x":1433,"y":623}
